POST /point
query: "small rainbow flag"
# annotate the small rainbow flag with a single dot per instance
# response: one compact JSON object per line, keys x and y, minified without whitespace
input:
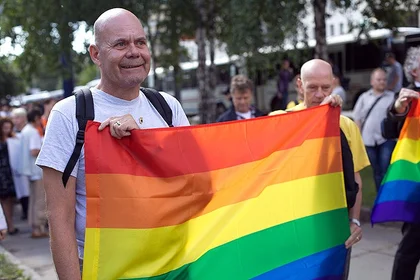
{"x":399,"y":195}
{"x":261,"y":198}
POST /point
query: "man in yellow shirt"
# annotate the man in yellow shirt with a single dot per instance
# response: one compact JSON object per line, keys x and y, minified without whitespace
{"x":316,"y":84}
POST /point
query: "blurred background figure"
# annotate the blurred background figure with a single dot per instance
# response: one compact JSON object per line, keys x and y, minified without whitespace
{"x":5,"y":109}
{"x":7,"y":186}
{"x":31,"y":143}
{"x":338,"y":89}
{"x":21,"y":183}
{"x":371,"y":108}
{"x":395,"y":75}
{"x":241,"y":92}
{"x":285,"y":77}
{"x":299,"y":97}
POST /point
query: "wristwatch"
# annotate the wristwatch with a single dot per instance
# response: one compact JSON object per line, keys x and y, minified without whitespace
{"x":355,"y":221}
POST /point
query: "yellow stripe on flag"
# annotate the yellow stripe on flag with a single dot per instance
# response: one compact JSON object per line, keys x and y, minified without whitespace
{"x":407,"y":149}
{"x":175,"y":246}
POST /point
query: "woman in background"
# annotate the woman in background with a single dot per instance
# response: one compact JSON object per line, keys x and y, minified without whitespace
{"x":7,"y":186}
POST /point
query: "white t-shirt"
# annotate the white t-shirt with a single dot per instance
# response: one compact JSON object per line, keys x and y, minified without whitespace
{"x":30,"y":140}
{"x":14,"y":145}
{"x":21,"y":182}
{"x":62,"y":127}
{"x":244,"y":116}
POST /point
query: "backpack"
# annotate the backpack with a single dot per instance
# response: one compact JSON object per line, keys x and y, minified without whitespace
{"x":85,"y":112}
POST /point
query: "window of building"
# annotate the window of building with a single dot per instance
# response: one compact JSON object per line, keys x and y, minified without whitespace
{"x":341,"y":28}
{"x":332,"y":30}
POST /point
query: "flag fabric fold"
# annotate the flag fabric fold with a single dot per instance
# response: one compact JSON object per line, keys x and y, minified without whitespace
{"x":399,"y":196}
{"x":261,"y":198}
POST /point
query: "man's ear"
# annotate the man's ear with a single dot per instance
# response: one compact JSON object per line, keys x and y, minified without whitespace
{"x":94,"y":54}
{"x":299,"y":84}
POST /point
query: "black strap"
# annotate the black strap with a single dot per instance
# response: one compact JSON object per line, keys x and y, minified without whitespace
{"x":370,"y":110}
{"x":350,"y":185}
{"x":84,"y":112}
{"x":159,"y":103}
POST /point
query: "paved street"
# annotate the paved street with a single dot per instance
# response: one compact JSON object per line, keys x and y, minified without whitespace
{"x":372,"y":258}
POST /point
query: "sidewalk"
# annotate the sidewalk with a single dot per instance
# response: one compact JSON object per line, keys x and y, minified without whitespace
{"x":372,"y":258}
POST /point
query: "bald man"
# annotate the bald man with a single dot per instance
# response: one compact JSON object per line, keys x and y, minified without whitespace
{"x":316,"y":84}
{"x":122,"y":55}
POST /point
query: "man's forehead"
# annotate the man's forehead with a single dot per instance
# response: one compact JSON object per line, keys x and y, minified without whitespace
{"x":120,"y":27}
{"x":318,"y":78}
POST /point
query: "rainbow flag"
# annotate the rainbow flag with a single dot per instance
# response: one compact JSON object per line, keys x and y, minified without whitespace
{"x":399,"y":195}
{"x":261,"y":198}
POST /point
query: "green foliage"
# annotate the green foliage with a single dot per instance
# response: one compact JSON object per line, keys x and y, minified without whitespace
{"x":10,"y":271}
{"x":10,"y":84}
{"x":380,"y":13}
{"x":89,"y":73}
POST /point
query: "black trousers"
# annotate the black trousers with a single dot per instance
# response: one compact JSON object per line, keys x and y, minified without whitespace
{"x":408,"y":253}
{"x":347,"y":265}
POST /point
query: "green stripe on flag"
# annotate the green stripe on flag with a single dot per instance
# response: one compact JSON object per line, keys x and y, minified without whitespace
{"x":403,"y":170}
{"x":260,"y":252}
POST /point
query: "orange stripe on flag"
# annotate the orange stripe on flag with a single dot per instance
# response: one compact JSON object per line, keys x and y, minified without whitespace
{"x":411,"y":128}
{"x":147,"y":202}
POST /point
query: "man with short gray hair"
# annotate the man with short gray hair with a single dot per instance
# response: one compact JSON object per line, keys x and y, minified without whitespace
{"x":241,"y":89}
{"x":371,"y":108}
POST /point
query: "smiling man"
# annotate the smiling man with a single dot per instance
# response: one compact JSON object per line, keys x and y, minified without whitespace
{"x":123,"y":57}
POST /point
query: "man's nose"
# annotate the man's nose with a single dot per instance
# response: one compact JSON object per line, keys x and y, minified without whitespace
{"x":133,"y":50}
{"x":318,"y":93}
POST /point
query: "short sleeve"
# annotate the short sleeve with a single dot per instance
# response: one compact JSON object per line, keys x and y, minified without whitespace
{"x":59,"y":142}
{"x":178,"y":115}
{"x":357,"y":147}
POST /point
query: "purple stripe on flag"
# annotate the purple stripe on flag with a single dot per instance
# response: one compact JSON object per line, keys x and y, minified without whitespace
{"x":333,"y":277}
{"x":396,"y":211}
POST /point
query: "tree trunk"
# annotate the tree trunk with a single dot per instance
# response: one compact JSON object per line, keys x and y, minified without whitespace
{"x":320,"y":29}
{"x":177,"y":81}
{"x":212,"y":69}
{"x":66,"y":39}
{"x":201,"y":70}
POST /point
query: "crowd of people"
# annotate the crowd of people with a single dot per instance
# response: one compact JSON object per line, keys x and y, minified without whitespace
{"x":34,"y":155}
{"x":21,"y":133}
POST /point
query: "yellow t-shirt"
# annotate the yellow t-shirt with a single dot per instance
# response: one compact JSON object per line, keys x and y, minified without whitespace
{"x":352,"y":132}
{"x":292,"y":104}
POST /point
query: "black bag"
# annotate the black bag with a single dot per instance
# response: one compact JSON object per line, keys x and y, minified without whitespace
{"x":85,"y":112}
{"x":390,"y":129}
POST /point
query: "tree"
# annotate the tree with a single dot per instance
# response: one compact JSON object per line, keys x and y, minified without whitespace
{"x":178,"y":22}
{"x":10,"y":84}
{"x":389,"y":14}
{"x":320,"y":32}
{"x":258,"y":30}
{"x":202,"y":73}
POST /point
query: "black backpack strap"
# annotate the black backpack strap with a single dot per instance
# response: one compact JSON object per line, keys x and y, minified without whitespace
{"x":84,"y":112}
{"x":159,"y":103}
{"x":350,"y":185}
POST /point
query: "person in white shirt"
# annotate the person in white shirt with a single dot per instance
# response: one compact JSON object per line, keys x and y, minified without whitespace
{"x":31,"y":143}
{"x":19,"y":118}
{"x":121,"y":52}
{"x":371,"y":108}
